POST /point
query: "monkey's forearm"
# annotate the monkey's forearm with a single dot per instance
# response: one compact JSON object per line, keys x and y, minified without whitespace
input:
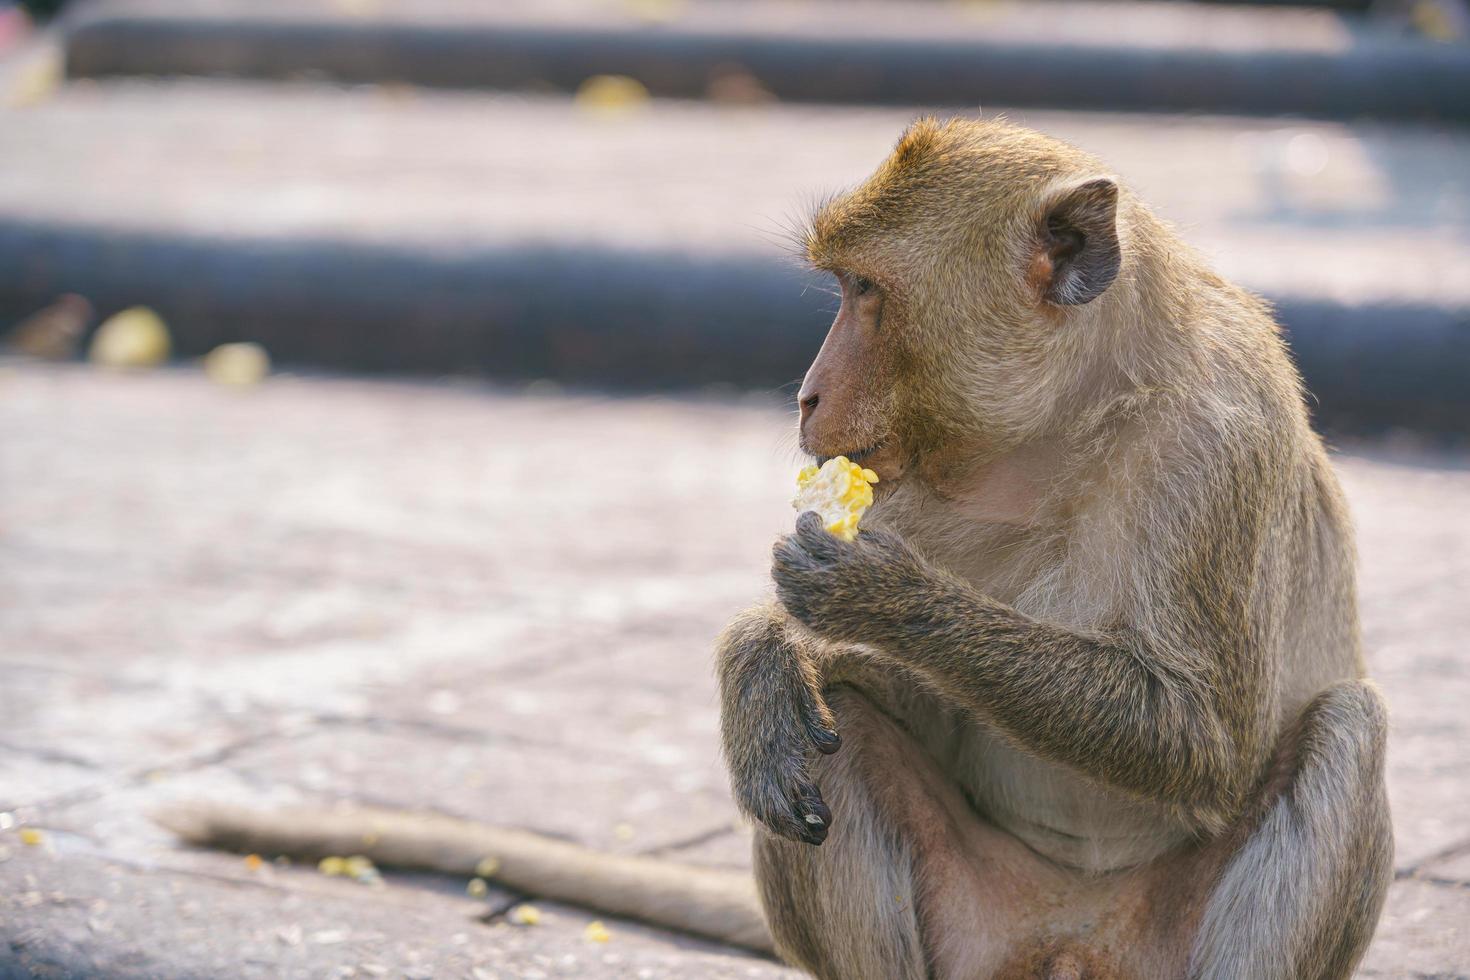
{"x":1134,"y":717}
{"x":771,"y":716}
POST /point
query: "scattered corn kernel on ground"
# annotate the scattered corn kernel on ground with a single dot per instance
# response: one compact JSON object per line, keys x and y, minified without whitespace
{"x":525,"y":915}
{"x":356,"y":867}
{"x":839,"y":490}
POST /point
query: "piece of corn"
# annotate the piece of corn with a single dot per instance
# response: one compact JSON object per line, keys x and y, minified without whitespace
{"x":253,"y":862}
{"x":477,"y":888}
{"x":839,"y":491}
{"x":137,"y":337}
{"x":356,"y":867}
{"x":597,"y":932}
{"x":525,"y":915}
{"x":240,"y":364}
{"x":31,"y":837}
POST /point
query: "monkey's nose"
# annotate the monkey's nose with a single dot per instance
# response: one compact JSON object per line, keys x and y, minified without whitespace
{"x":808,"y":405}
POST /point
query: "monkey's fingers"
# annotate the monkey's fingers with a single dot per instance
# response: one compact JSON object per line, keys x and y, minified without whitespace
{"x":792,"y":808}
{"x":815,"y":817}
{"x":816,"y":540}
{"x":821,"y":727}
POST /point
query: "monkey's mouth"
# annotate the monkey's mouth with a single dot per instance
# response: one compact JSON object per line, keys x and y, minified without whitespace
{"x":853,"y":455}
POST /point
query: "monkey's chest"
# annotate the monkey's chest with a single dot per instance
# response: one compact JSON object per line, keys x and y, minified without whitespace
{"x":1052,"y":809}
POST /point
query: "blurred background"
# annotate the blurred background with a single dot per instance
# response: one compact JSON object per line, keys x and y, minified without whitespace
{"x":394,"y":404}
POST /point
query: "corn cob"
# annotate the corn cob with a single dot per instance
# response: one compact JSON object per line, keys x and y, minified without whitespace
{"x":839,"y":491}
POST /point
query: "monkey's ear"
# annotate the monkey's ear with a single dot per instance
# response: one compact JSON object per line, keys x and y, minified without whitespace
{"x":1079,"y":243}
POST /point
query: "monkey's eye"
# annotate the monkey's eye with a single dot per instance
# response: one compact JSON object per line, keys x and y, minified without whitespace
{"x":861,"y":286}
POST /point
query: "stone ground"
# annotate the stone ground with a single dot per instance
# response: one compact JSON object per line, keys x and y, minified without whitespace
{"x":492,"y":603}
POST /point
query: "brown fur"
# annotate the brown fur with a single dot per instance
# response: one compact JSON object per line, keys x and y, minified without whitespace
{"x":1108,"y":574}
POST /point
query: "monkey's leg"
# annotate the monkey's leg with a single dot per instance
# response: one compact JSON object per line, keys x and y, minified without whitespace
{"x":909,"y":885}
{"x":1301,"y":895}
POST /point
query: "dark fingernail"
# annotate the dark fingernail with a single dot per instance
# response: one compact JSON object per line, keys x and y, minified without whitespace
{"x":815,"y":818}
{"x":827,"y":741}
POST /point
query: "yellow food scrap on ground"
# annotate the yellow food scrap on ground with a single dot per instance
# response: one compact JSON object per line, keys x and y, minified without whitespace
{"x":487,"y":867}
{"x":623,"y":831}
{"x":611,"y":95}
{"x":525,"y":915}
{"x":356,"y":867}
{"x":253,"y":862}
{"x":136,"y":337}
{"x":35,"y":82}
{"x":31,"y":837}
{"x":477,"y":888}
{"x":597,"y":932}
{"x":237,"y":364}
{"x":840,"y":491}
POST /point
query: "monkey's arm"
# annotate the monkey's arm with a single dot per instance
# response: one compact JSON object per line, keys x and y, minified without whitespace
{"x":1168,"y":722}
{"x":771,"y":716}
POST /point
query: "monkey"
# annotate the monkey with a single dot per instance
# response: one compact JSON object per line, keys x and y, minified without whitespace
{"x":1086,"y":697}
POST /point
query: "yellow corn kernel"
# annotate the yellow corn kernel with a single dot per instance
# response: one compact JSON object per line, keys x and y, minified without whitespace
{"x":597,"y":932}
{"x":31,"y":837}
{"x":525,"y":915}
{"x":840,"y":491}
{"x":356,"y":867}
{"x":360,"y":868}
{"x":476,"y":888}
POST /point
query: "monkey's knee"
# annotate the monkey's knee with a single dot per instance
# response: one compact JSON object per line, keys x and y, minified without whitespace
{"x":855,"y":906}
{"x":834,"y":910}
{"x":1301,"y":896}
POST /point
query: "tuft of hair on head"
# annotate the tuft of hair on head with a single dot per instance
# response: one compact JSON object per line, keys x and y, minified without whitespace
{"x":916,"y":141}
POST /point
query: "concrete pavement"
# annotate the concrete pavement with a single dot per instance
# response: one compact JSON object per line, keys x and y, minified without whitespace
{"x":491,"y":602}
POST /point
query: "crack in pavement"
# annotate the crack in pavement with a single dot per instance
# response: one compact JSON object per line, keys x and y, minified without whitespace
{"x":1445,"y":853}
{"x":48,"y":755}
{"x":140,"y":774}
{"x":693,"y":840}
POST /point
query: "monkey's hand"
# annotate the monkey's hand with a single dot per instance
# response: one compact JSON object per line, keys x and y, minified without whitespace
{"x":771,"y":718}
{"x":862,"y":591}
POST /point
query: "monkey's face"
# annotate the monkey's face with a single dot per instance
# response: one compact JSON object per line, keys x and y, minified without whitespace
{"x":968,"y":265}
{"x":847,"y":398}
